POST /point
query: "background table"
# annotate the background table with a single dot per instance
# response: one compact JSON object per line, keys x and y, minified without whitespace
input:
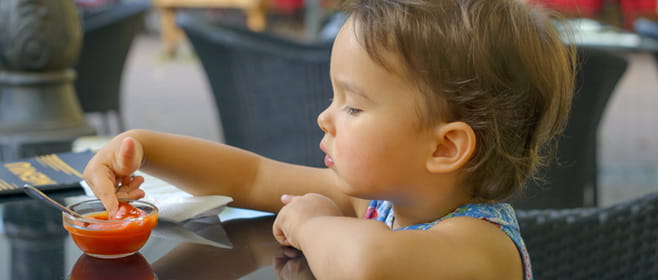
{"x":255,"y":11}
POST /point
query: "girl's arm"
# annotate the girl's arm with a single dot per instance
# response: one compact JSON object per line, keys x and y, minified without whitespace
{"x":202,"y":167}
{"x":339,"y":247}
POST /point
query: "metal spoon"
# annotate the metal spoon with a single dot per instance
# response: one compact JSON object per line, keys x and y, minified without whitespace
{"x":37,"y":194}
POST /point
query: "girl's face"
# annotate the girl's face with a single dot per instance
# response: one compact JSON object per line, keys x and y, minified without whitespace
{"x":373,"y":137}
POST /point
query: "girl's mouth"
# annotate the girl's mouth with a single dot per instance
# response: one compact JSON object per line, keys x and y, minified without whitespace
{"x":328,"y":161}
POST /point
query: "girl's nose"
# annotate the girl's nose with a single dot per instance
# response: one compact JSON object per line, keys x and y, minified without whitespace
{"x":325,"y":122}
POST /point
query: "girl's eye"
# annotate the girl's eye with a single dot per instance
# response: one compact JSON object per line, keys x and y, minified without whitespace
{"x":350,"y":110}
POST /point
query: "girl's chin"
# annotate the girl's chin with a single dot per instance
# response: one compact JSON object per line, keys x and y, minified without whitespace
{"x":358,"y":192}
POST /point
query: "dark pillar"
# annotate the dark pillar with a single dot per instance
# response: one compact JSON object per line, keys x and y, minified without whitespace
{"x":40,"y":42}
{"x":37,"y":238}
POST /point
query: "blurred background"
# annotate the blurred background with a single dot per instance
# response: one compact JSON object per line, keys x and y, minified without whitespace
{"x":165,"y":87}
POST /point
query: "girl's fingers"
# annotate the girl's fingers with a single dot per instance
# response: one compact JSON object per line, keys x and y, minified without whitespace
{"x":130,"y":188}
{"x":111,"y":167}
{"x":134,"y":194}
{"x":281,"y":238}
{"x":127,"y":159}
{"x":129,"y":183}
{"x":277,"y":229}
{"x":287,"y":198}
{"x":106,"y":192}
{"x":278,"y":234}
{"x":125,"y":180}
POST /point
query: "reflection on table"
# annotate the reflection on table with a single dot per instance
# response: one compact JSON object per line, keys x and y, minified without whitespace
{"x":133,"y":267}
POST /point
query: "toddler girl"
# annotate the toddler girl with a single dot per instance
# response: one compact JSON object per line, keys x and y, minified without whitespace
{"x":440,"y":111}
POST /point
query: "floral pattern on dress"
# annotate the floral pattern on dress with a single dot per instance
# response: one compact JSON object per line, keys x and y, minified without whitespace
{"x":499,"y":214}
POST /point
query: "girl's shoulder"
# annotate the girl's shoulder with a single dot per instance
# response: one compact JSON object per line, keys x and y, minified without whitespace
{"x":489,"y":245}
{"x":480,"y":233}
{"x":500,"y":215}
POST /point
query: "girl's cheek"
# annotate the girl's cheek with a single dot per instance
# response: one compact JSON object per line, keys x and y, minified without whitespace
{"x":343,"y":152}
{"x":351,"y":156}
{"x":339,"y":148}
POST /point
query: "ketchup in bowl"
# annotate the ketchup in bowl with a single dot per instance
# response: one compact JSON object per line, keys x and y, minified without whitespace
{"x":101,"y":237}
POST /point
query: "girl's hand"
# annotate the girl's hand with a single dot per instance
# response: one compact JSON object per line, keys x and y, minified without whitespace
{"x":109,"y":172}
{"x":298,"y":210}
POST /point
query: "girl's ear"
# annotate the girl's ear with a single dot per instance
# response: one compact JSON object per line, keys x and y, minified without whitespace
{"x":453,"y":147}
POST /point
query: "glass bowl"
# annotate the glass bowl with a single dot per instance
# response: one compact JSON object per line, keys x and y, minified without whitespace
{"x":99,"y":237}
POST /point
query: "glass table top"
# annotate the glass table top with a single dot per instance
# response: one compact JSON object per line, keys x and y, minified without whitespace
{"x":34,"y":245}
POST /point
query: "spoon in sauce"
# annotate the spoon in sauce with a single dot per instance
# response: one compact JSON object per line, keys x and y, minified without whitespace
{"x":39,"y":195}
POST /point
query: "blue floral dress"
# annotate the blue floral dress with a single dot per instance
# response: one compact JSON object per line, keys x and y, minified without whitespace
{"x":499,"y":214}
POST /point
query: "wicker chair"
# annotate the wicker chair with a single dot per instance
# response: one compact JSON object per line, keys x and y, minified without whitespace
{"x":615,"y":242}
{"x":268,"y":90}
{"x":108,"y":35}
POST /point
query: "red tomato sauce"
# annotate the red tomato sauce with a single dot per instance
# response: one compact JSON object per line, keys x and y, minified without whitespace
{"x":113,"y":237}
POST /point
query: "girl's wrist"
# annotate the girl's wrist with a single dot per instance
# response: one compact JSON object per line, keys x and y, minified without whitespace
{"x":308,"y":231}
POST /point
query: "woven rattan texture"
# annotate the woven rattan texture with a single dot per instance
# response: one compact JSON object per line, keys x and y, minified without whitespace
{"x":268,"y":90}
{"x":617,"y":242}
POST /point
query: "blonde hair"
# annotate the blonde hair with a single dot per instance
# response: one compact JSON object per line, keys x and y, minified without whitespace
{"x":498,"y":65}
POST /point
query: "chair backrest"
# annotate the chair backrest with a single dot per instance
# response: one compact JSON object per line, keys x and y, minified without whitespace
{"x":574,"y":172}
{"x":108,"y":36}
{"x":268,"y":90}
{"x":615,"y":242}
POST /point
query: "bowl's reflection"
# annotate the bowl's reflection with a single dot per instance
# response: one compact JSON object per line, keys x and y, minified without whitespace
{"x":133,"y":267}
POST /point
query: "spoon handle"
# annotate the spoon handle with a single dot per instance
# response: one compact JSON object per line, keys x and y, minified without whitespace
{"x":37,"y":194}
